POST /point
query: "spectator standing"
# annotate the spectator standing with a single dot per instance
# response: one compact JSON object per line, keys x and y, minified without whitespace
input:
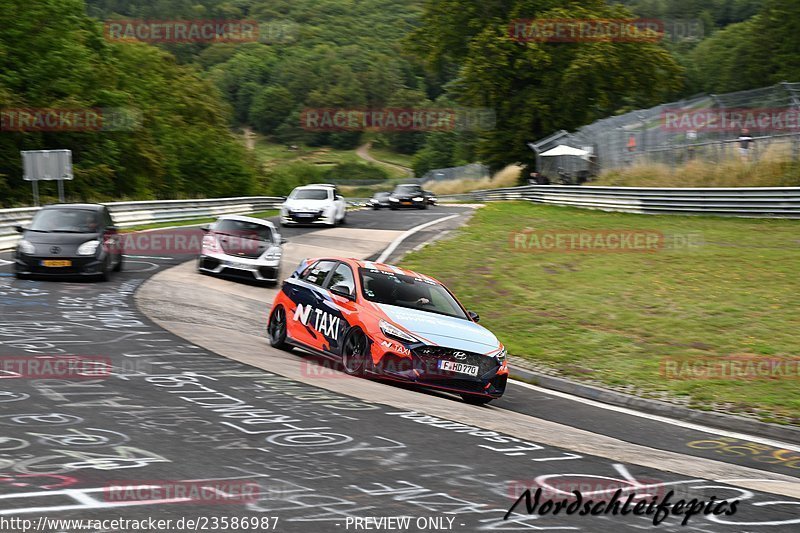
{"x":745,"y":141}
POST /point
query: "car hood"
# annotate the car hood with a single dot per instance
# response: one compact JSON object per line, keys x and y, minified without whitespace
{"x":308,"y":205}
{"x":63,"y":239}
{"x":443,"y":330}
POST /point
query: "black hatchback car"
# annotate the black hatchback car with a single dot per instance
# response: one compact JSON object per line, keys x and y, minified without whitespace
{"x":69,"y":240}
{"x":408,"y":196}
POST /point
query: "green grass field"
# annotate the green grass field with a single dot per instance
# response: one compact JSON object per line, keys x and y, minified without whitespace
{"x":271,"y":156}
{"x":615,"y":318}
{"x":382,"y":154}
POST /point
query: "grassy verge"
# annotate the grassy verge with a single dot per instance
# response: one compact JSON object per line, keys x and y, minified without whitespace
{"x":508,"y":177}
{"x":617,"y":318}
{"x":771,"y":171}
{"x":388,"y":156}
{"x":196,"y":221}
{"x":272,"y":157}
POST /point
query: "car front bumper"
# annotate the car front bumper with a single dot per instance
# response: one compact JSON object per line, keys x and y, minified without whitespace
{"x":305,"y":218}
{"x":256,"y":269}
{"x":32,"y":265}
{"x":395,"y":361}
{"x":408,"y":203}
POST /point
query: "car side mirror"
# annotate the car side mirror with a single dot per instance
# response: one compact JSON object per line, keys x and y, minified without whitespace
{"x":339,"y":197}
{"x":19,"y":229}
{"x":112,"y":229}
{"x":205,"y":229}
{"x":284,"y":241}
{"x":475,"y":317}
{"x":343,"y":291}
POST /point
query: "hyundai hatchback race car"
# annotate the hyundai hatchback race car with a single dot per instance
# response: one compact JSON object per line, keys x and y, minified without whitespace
{"x":380,"y":320}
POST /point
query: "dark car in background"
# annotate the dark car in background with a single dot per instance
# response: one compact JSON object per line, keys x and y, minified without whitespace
{"x":408,"y":195}
{"x":69,"y":240}
{"x":379,"y":200}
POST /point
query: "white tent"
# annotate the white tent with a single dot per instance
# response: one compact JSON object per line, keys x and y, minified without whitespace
{"x":563,"y":149}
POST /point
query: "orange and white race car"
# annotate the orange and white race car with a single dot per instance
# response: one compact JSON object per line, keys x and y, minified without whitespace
{"x":381,"y":320}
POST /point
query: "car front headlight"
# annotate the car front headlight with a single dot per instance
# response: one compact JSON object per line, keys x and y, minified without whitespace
{"x":274,"y":254}
{"x":88,"y":248}
{"x":391,"y":330}
{"x":418,"y":198}
{"x":501,"y":357}
{"x":26,"y":247}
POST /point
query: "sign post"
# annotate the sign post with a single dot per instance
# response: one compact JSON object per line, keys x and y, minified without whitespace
{"x":47,"y":165}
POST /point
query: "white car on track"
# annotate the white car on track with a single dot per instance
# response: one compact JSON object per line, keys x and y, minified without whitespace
{"x":243,"y":247}
{"x":314,"y":204}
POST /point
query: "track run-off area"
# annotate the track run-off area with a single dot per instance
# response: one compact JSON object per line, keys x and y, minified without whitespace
{"x":196,"y":395}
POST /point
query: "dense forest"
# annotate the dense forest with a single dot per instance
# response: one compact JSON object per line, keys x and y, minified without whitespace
{"x":352,"y":54}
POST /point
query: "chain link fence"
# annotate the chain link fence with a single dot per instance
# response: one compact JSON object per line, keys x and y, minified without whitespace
{"x":747,"y":124}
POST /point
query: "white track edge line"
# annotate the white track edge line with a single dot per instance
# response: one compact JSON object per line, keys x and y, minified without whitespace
{"x":395,"y":243}
{"x":658,"y":418}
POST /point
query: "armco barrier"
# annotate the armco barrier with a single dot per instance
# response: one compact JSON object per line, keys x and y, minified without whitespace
{"x":761,"y":202}
{"x":128,"y":214}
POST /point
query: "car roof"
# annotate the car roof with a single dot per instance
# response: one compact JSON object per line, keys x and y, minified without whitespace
{"x":91,"y":207}
{"x":373,"y":265}
{"x":243,"y":218}
{"x":323,"y":187}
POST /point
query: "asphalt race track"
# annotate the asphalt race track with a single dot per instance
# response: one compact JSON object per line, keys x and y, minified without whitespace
{"x":197,"y":396}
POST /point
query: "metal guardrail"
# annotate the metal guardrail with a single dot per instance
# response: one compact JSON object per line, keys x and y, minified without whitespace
{"x":752,"y":202}
{"x":129,"y":214}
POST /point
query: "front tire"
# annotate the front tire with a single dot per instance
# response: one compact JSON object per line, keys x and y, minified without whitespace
{"x":105,"y":274}
{"x":276,"y":329}
{"x":118,"y":267}
{"x":355,"y":353}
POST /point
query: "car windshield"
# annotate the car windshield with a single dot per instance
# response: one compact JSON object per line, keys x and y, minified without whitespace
{"x":407,"y":291}
{"x":66,"y":220}
{"x":408,"y":189}
{"x":244,"y":229}
{"x":310,"y":194}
